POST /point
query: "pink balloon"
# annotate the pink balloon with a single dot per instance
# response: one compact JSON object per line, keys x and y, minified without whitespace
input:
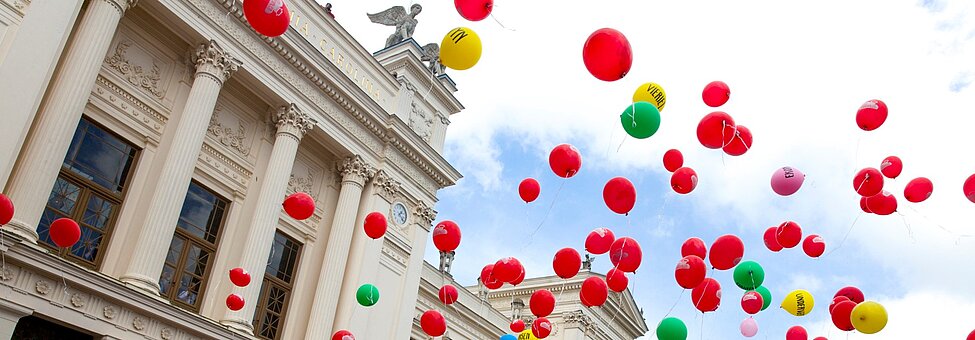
{"x":749,"y":327}
{"x":787,"y":180}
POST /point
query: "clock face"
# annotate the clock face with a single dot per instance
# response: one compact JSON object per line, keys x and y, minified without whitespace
{"x":399,"y":213}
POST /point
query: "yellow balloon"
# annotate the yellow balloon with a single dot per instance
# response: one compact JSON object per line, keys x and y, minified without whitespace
{"x":527,"y":335}
{"x":651,"y":93}
{"x":869,"y":317}
{"x":460,"y":49}
{"x":799,"y":302}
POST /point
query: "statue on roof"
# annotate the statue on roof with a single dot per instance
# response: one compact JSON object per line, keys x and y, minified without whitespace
{"x":431,"y":54}
{"x":396,"y":16}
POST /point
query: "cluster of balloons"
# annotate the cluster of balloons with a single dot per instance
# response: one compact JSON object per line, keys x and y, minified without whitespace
{"x":240,"y":278}
{"x":849,"y":311}
{"x":506,"y":270}
{"x":641,"y":119}
{"x":717,"y":130}
{"x":683,"y":179}
{"x":299,"y":205}
{"x":788,"y":234}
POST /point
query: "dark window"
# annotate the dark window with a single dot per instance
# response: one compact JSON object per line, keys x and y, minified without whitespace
{"x":276,"y":288}
{"x":89,"y":190}
{"x":34,"y":328}
{"x":194,"y":244}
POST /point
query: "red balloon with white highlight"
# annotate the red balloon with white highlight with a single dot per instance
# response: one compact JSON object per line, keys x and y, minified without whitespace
{"x":882,"y":204}
{"x":607,"y":54}
{"x":474,"y":10}
{"x":64,"y":232}
{"x":616,"y":280}
{"x":299,"y":206}
{"x":565,"y":160}
{"x":690,"y":271}
{"x":752,"y":302}
{"x":716,"y":93}
{"x":814,"y":246}
{"x":625,"y":254}
{"x":969,"y":188}
{"x":871,"y":115}
{"x":788,"y":234}
{"x":796,"y":333}
{"x":594,"y":292}
{"x":375,"y":225}
{"x":770,"y":240}
{"x":891,"y":167}
{"x":567,"y":263}
{"x":726,"y":252}
{"x":673,"y":160}
{"x":433,"y":323}
{"x":542,"y":303}
{"x":868,"y":182}
{"x":740,"y":143}
{"x":446,"y":236}
{"x":684,"y":180}
{"x":267,"y":17}
{"x":694,"y":246}
{"x":918,"y":190}
{"x":716,"y":130}
{"x":706,"y":297}
{"x":448,"y":294}
{"x":599,"y":241}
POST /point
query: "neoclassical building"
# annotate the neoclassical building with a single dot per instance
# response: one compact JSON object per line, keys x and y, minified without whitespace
{"x":172,"y":132}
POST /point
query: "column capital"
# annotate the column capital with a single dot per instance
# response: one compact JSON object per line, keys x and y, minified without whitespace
{"x":425,"y":213}
{"x":212,"y":60}
{"x":122,"y":5}
{"x":292,"y":121}
{"x":578,"y":319}
{"x":389,"y":188}
{"x":355,"y":169}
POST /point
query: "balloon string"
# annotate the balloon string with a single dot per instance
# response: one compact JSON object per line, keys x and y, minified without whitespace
{"x":845,"y":236}
{"x":702,"y":325}
{"x":908,"y":226}
{"x":532,"y":236}
{"x":675,"y":303}
{"x":500,"y":24}
{"x":856,"y":155}
{"x":957,"y":236}
{"x":61,"y":269}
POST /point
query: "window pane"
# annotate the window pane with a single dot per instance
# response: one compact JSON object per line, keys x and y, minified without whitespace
{"x":166,"y":279}
{"x":175,"y":249}
{"x":284,"y":257}
{"x":189,"y":288}
{"x":202,"y":213}
{"x":197,"y":261}
{"x":100,"y":157}
{"x":64,"y":195}
{"x":87,"y":246}
{"x":269,"y":326}
{"x":98,"y":213}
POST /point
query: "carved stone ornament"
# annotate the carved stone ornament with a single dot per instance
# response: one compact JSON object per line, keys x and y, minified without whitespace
{"x":576,"y":319}
{"x":77,"y":300}
{"x":42,"y":287}
{"x":405,"y":23}
{"x":289,"y":119}
{"x":109,"y":312}
{"x":421,"y":122}
{"x":355,"y":169}
{"x":425,"y":213}
{"x":136,"y":74}
{"x":387,"y":186}
{"x":301,"y":184}
{"x":212,"y":60}
{"x":139,"y":323}
{"x":235,"y":139}
{"x":121,"y":5}
{"x":166,"y":334}
{"x":7,"y":274}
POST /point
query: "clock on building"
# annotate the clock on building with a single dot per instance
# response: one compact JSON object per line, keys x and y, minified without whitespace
{"x":400,"y":214}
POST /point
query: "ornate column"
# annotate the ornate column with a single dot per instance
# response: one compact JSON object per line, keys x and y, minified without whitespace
{"x":54,"y":126}
{"x":355,"y":172}
{"x":424,"y":216}
{"x":291,"y":124}
{"x":213,"y":67}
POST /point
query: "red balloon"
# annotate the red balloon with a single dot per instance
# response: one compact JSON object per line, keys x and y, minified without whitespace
{"x":268,"y":17}
{"x":752,"y":302}
{"x":673,"y":160}
{"x":796,"y":333}
{"x":740,"y":143}
{"x":971,"y":336}
{"x":565,"y":160}
{"x":375,"y":225}
{"x":716,"y":130}
{"x":542,"y":303}
{"x":492,"y":285}
{"x":6,"y":209}
{"x":343,"y":335}
{"x":541,"y":328}
{"x":726,"y":252}
{"x":567,"y":263}
{"x":488,"y":279}
{"x":684,"y":180}
{"x":868,"y":182}
{"x":240,"y":277}
{"x":616,"y":280}
{"x":520,"y":278}
{"x":299,"y":206}
{"x":619,"y":195}
{"x":871,"y":115}
{"x":882,"y":204}
{"x":235,"y":302}
{"x":863,"y":205}
{"x":625,"y":254}
{"x":891,"y":167}
{"x":716,"y":93}
{"x":594,"y":292}
{"x":690,"y":271}
{"x":529,"y":190}
{"x":607,"y":54}
{"x":448,"y":294}
{"x":820,"y":338}
{"x":836,"y":300}
{"x":969,"y":188}
{"x":599,"y":241}
{"x":706,"y":297}
{"x":841,"y":315}
{"x":788,"y":234}
{"x":517,"y":326}
{"x":446,"y":236}
{"x":507,"y":269}
{"x":852,"y":293}
{"x":694,"y":246}
{"x":64,"y":232}
{"x":474,"y":10}
{"x":814,"y":246}
{"x":918,"y":190}
{"x":433,"y":323}
{"x":770,"y":240}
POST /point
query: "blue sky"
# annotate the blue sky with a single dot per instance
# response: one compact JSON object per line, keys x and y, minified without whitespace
{"x":797,"y":72}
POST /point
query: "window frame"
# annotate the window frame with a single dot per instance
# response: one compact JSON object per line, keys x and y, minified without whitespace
{"x":88,"y":188}
{"x":269,"y":280}
{"x":204,"y":245}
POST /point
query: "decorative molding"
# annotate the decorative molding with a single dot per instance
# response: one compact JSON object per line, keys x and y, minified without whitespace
{"x":135,"y":74}
{"x":77,"y":300}
{"x":109,"y":312}
{"x":233,"y":139}
{"x":425,"y":214}
{"x":421,"y":122}
{"x":42,"y":287}
{"x":388,"y":187}
{"x":405,"y":83}
{"x":578,"y":319}
{"x":302,"y":184}
{"x":21,"y":6}
{"x":122,"y":5}
{"x":224,"y":166}
{"x":139,"y":323}
{"x":212,"y":60}
{"x":289,"y":119}
{"x":355,"y":169}
{"x":135,"y":109}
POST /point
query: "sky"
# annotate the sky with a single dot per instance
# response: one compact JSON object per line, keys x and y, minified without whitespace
{"x":798,"y":72}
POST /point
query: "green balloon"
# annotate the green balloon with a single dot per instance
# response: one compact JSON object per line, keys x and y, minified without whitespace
{"x":641,"y":120}
{"x":749,"y":275}
{"x":766,"y":296}
{"x":367,"y":295}
{"x":671,"y":329}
